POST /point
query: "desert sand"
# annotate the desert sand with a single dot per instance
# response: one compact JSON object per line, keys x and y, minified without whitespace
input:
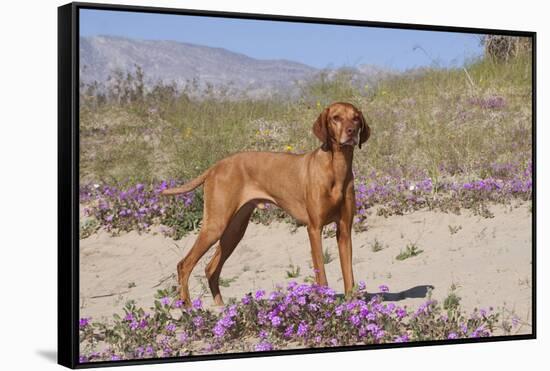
{"x":488,"y":260}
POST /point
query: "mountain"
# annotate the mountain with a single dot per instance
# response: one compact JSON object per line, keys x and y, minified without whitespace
{"x":171,"y":61}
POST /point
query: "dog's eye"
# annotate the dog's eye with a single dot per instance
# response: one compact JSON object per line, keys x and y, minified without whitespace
{"x":336,"y":118}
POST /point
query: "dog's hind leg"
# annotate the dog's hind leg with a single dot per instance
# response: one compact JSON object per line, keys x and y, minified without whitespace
{"x":206,"y":238}
{"x":229,"y":240}
{"x":217,"y":214}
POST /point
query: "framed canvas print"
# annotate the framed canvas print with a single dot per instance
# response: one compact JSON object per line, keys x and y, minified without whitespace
{"x":237,"y":185}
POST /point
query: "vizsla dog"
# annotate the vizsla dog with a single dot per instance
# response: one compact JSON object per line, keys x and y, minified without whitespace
{"x":316,"y":188}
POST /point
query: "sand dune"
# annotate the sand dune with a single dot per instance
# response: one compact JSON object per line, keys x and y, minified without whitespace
{"x":488,"y":260}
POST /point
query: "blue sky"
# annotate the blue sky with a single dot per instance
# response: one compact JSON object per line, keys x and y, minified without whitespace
{"x":313,"y":44}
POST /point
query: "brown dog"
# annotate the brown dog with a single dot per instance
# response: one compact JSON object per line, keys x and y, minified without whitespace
{"x":316,"y":188}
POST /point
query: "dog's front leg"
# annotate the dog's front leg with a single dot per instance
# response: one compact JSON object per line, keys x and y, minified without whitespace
{"x":314,"y":233}
{"x":343,"y":237}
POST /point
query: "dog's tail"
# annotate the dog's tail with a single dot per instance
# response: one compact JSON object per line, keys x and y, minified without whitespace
{"x":187,"y":187}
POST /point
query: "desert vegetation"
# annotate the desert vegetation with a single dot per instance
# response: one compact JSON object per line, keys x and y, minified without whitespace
{"x":299,"y":315}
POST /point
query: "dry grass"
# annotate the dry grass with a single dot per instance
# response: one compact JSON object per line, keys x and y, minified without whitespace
{"x":457,"y":120}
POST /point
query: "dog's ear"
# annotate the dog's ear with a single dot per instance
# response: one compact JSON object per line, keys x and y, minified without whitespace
{"x":320,"y":127}
{"x":364,"y":134}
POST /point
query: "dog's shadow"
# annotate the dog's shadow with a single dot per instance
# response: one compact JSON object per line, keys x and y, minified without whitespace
{"x":412,"y":293}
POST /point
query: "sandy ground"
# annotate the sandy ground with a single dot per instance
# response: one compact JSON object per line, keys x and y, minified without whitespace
{"x":489,"y":261}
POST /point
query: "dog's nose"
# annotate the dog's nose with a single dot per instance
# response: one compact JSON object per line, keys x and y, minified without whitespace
{"x":350,"y":131}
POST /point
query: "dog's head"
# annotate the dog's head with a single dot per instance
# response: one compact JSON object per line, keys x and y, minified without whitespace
{"x":341,"y":124}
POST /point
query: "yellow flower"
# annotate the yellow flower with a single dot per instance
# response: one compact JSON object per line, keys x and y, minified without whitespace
{"x":318,"y":104}
{"x":187,"y":133}
{"x":288,"y":148}
{"x":384,"y":92}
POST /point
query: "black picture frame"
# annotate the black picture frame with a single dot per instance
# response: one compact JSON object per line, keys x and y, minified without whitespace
{"x":68,"y":179}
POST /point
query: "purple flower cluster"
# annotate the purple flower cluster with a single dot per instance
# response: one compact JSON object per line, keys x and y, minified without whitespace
{"x":301,"y":314}
{"x":490,"y":102}
{"x":397,"y":195}
{"x":84,"y":322}
{"x":119,"y":208}
{"x":226,"y":322}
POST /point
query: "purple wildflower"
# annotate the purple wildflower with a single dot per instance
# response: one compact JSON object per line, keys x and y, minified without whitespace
{"x":197,"y":303}
{"x":183,"y":337}
{"x":383,"y":288}
{"x":133,"y":325}
{"x":276,"y":321}
{"x":402,"y":339}
{"x":263,"y":346}
{"x":198,"y":321}
{"x":372,"y":328}
{"x":219,"y":330}
{"x":289,"y":331}
{"x":84,"y":322}
{"x":302,"y":329}
{"x":355,"y":320}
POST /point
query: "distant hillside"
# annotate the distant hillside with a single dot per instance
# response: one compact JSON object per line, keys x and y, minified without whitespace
{"x":182,"y":62}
